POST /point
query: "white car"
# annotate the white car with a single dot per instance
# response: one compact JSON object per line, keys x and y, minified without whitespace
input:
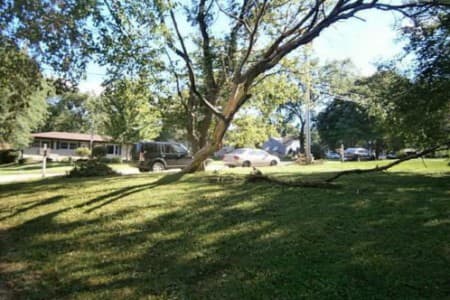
{"x":247,"y":157}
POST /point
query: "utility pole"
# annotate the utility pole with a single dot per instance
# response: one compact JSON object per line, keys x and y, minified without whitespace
{"x":308,"y":105}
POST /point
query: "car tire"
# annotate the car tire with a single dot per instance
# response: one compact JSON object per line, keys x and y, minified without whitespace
{"x":246,"y":164}
{"x":158,"y":167}
{"x":273,"y":163}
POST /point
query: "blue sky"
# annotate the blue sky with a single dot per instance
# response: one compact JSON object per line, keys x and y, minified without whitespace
{"x":364,"y":42}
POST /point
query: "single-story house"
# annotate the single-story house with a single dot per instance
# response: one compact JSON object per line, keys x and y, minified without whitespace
{"x":62,"y":145}
{"x":282,"y":146}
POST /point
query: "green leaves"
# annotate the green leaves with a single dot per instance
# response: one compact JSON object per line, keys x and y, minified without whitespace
{"x":249,"y":131}
{"x":131,"y":113}
{"x":23,"y":95}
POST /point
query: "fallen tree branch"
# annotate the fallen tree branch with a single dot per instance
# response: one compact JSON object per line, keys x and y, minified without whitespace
{"x":256,"y":177}
{"x":388,"y":166}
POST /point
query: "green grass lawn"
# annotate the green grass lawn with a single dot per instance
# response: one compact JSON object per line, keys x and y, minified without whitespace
{"x":377,"y":236}
{"x":34,"y":168}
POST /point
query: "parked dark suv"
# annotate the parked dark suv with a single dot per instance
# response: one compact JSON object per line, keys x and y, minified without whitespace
{"x":158,"y":156}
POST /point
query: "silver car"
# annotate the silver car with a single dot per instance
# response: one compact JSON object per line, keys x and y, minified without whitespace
{"x":247,"y":157}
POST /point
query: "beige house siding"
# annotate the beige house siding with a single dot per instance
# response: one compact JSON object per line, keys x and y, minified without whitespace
{"x":62,"y":145}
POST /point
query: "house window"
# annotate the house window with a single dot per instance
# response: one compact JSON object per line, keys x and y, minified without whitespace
{"x":110,"y":149}
{"x":73,"y":146}
{"x":63,"y":145}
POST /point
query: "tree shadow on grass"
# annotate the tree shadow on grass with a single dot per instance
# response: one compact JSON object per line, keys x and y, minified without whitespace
{"x":378,"y":238}
{"x":36,"y":204}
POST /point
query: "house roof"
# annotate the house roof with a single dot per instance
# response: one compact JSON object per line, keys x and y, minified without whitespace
{"x":71,"y":136}
{"x":284,"y":140}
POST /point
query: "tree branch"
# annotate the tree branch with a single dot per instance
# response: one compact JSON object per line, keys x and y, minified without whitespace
{"x":184,"y":54}
{"x":251,"y":39}
{"x":390,"y":165}
{"x":207,"y":55}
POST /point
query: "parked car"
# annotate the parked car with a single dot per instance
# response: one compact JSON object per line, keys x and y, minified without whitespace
{"x":332,"y":155}
{"x":357,"y":154}
{"x":220,"y":154}
{"x":407,"y":152}
{"x":391,"y":155}
{"x":247,"y":157}
{"x":158,"y":156}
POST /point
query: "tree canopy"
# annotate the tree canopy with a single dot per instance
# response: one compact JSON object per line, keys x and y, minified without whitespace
{"x":23,"y":93}
{"x":130,"y":113}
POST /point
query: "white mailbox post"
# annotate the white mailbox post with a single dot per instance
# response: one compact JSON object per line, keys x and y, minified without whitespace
{"x":44,"y":160}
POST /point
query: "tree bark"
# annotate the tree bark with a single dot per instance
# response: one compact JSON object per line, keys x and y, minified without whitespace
{"x":302,"y":137}
{"x":235,"y":101}
{"x":208,"y":149}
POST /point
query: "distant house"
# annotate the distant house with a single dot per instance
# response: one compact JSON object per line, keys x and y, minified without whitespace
{"x":63,"y":144}
{"x":282,"y":146}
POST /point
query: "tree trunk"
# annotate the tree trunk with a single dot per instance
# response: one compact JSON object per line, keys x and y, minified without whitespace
{"x":208,"y":149}
{"x":235,"y":101}
{"x":301,"y":137}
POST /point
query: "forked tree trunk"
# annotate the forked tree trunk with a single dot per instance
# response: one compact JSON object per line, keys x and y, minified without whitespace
{"x":237,"y":98}
{"x":207,"y":150}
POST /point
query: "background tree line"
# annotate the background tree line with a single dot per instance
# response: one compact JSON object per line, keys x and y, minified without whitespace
{"x":197,"y":89}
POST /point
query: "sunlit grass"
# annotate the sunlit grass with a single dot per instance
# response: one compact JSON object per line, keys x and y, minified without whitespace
{"x":379,"y":236}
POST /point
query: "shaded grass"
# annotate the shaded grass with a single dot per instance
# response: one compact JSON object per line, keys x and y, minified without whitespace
{"x":379,"y":236}
{"x":34,"y":168}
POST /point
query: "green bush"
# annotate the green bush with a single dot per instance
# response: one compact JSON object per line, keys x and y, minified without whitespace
{"x":99,"y":152}
{"x":8,"y":156}
{"x":23,"y":161}
{"x":83,"y":152}
{"x":91,"y":168}
{"x":112,"y":160}
{"x":317,"y":151}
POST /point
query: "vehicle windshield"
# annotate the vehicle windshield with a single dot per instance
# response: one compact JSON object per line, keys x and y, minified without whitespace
{"x":240,"y":151}
{"x":179,"y":148}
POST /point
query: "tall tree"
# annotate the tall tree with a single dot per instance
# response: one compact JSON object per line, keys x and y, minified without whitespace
{"x":345,"y":122}
{"x":68,"y":112}
{"x":130,"y":112}
{"x":23,"y":93}
{"x":324,"y":82}
{"x":415,"y":108}
{"x":249,"y":130}
{"x":407,"y":112}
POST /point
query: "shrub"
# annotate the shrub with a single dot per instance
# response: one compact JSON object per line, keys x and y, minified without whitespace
{"x":8,"y":156}
{"x":91,"y":168}
{"x":317,"y":151}
{"x":23,"y":161}
{"x":83,"y":152}
{"x":112,"y":160}
{"x":99,"y":152}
